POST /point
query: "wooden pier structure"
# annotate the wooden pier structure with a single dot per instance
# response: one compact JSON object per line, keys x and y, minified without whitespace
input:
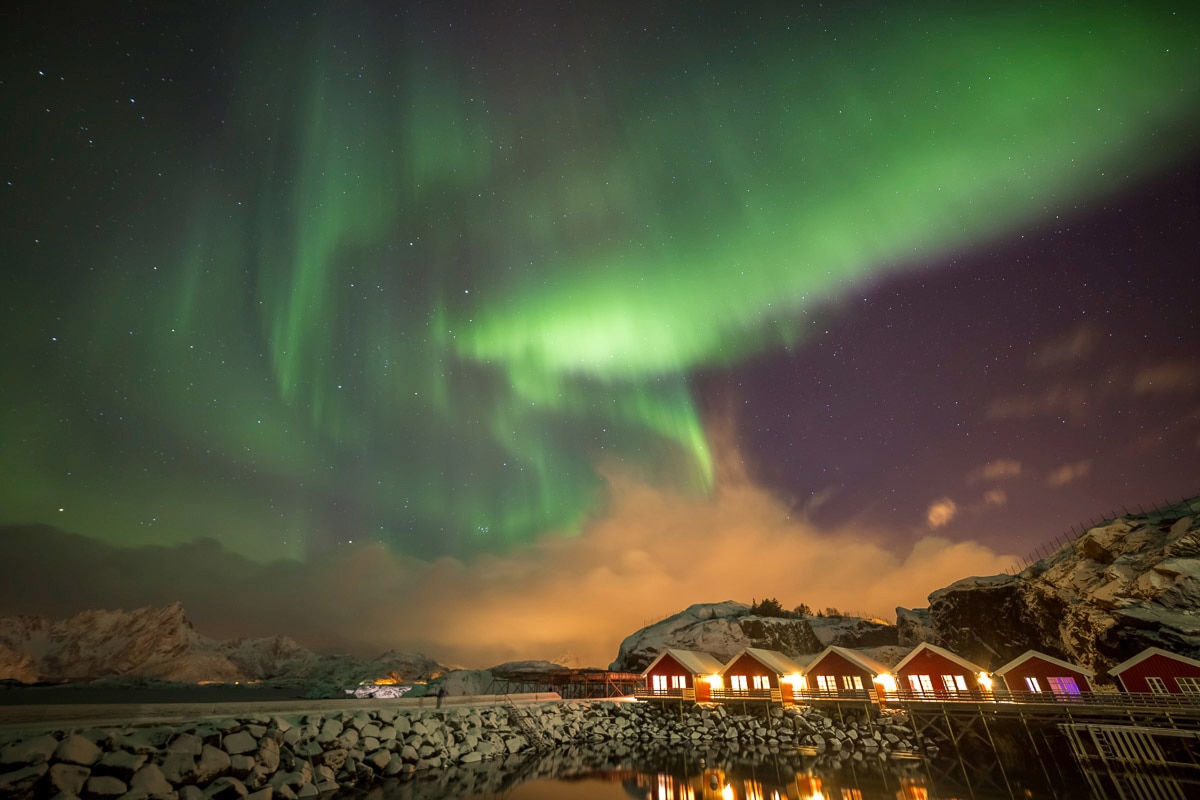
{"x":570,"y":684}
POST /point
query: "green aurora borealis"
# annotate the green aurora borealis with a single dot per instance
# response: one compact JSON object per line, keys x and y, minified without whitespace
{"x":398,"y":285}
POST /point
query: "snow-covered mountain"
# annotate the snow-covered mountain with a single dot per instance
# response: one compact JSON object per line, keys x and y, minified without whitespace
{"x":723,"y":629}
{"x":161,"y":643}
{"x":1118,"y":588}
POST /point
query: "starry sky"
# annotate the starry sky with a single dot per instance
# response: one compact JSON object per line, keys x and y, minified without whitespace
{"x":512,"y":299}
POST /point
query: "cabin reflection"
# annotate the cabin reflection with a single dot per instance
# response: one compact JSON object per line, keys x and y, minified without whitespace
{"x":717,"y":784}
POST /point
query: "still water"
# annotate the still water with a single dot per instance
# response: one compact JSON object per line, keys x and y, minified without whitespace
{"x":759,"y":774}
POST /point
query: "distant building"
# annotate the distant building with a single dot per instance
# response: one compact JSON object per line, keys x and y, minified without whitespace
{"x":1156,"y":671}
{"x":934,"y":672}
{"x":1037,"y":672}
{"x":842,"y":673}
{"x":679,"y":673}
{"x":759,"y":671}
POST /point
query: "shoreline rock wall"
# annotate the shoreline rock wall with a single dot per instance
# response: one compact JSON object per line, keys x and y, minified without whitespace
{"x":265,"y":757}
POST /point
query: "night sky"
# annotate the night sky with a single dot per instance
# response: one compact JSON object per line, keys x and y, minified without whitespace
{"x":445,"y":307}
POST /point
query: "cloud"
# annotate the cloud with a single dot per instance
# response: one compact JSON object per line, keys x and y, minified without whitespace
{"x":940,"y":512}
{"x":1068,"y":473}
{"x":1058,"y":400}
{"x":999,"y":469}
{"x":995,"y":497}
{"x":652,"y":554}
{"x":1078,"y":344}
{"x":1167,"y":377}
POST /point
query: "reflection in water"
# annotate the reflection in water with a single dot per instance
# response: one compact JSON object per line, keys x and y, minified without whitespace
{"x":619,"y":773}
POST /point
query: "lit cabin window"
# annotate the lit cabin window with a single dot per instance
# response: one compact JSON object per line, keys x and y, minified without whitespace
{"x":920,"y":683}
{"x":1033,"y":685}
{"x":678,"y":682}
{"x":852,"y":682}
{"x":660,"y":683}
{"x":1157,"y":685}
{"x":737,"y":683}
{"x":826,"y":683}
{"x":762,"y":682}
{"x":954,"y":683}
{"x":1063,"y":685}
{"x":1189,"y":686}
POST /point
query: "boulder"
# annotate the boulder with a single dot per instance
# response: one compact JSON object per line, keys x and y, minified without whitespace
{"x":238,"y":743}
{"x":225,"y":788}
{"x":36,"y":750}
{"x":76,"y":749}
{"x":105,"y":786}
{"x":212,"y":762}
{"x":21,"y":782}
{"x":119,"y":764}
{"x":67,"y":778}
{"x":151,"y":780}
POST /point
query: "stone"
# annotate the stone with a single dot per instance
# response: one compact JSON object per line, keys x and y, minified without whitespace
{"x":293,"y":779}
{"x":142,"y":742}
{"x":191,"y":793}
{"x":188,"y":743}
{"x":31,"y":751}
{"x":68,"y":778}
{"x":348,"y":738}
{"x":308,"y":749}
{"x":334,"y":759}
{"x":151,"y":780}
{"x":265,"y":793}
{"x":257,"y":731}
{"x":106,"y":786}
{"x":370,"y":730}
{"x":285,"y":793}
{"x":240,"y":765}
{"x":76,"y":749}
{"x":308,"y":790}
{"x":20,"y":783}
{"x":379,"y":759}
{"x":225,"y":788}
{"x":238,"y":743}
{"x":179,"y":767}
{"x":120,"y":764}
{"x":268,"y":755}
{"x":331,"y":730}
{"x":213,"y":762}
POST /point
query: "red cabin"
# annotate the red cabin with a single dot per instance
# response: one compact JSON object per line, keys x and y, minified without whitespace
{"x":841,"y":672}
{"x":1159,"y":672}
{"x":762,"y":670}
{"x":934,"y":672}
{"x":1037,"y":672}
{"x":676,"y":673}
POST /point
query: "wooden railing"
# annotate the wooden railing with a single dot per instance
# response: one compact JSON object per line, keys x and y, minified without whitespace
{"x":1084,"y":699}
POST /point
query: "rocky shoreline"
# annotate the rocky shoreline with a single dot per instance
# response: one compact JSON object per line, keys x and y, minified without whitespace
{"x":264,"y":757}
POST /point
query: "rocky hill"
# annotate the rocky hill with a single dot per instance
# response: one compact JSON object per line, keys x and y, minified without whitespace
{"x":1118,"y":588}
{"x":723,"y":629}
{"x":162,"y":644}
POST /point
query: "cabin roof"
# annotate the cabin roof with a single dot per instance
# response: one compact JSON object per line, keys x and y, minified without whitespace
{"x":1145,"y":654}
{"x":941,"y":651}
{"x":771,"y":659}
{"x":693,"y":661}
{"x":861,"y":660}
{"x":1029,"y":654}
